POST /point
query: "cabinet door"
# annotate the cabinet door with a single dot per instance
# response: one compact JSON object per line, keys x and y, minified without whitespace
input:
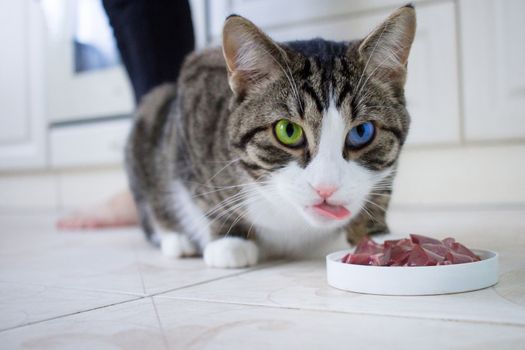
{"x":91,"y":93}
{"x":13,"y":71}
{"x":432,"y":86}
{"x":88,"y":144}
{"x":493,"y":51}
{"x":22,"y":117}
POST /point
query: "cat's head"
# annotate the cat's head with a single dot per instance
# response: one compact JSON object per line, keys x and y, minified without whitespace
{"x":318,"y":125}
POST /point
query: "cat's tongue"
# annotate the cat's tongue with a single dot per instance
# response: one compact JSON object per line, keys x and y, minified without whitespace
{"x":331,"y":211}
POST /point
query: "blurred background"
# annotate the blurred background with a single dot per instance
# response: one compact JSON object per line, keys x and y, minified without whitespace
{"x":66,"y":103}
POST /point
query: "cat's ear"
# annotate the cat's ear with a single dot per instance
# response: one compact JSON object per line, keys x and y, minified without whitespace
{"x":385,"y":51}
{"x":251,"y":56}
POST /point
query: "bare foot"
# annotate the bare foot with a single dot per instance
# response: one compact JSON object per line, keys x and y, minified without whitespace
{"x":117,"y":211}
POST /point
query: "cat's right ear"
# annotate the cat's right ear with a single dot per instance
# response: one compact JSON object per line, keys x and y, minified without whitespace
{"x":251,"y":56}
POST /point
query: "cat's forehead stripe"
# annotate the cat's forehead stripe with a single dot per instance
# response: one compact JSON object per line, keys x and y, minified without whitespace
{"x":346,"y":91}
{"x":325,"y":80}
{"x":309,"y":90}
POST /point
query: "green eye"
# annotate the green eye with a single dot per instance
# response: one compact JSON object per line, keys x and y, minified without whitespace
{"x":288,"y":133}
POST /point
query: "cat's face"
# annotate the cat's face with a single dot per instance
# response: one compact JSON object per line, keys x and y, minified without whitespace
{"x":318,"y":126}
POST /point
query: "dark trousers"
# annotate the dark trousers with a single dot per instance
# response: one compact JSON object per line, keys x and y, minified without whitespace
{"x":153,"y":37}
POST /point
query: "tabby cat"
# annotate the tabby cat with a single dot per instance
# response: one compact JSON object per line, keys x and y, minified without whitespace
{"x":266,"y":149}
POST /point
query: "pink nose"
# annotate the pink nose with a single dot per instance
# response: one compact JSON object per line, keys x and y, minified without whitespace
{"x":325,"y":191}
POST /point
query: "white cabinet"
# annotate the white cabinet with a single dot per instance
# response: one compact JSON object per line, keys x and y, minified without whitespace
{"x":88,"y":144}
{"x":22,"y":115}
{"x":82,"y":95}
{"x":432,"y":86}
{"x":13,"y":70}
{"x":493,"y":50}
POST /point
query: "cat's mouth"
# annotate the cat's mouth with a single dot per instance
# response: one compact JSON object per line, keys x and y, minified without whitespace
{"x":331,"y":211}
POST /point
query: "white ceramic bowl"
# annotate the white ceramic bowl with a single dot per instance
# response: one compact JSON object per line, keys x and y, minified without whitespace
{"x":413,"y":280}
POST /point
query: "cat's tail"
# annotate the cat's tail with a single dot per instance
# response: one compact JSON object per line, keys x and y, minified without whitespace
{"x":142,"y":153}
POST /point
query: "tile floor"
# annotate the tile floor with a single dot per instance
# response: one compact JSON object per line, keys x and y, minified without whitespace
{"x":111,"y":290}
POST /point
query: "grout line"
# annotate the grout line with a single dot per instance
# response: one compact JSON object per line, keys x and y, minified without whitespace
{"x":137,"y":262}
{"x":164,"y":338}
{"x":91,"y":290}
{"x":159,"y":323}
{"x":145,"y":293}
{"x":268,"y":265}
{"x":138,"y":297}
{"x":69,"y":314}
{"x":284,"y":307}
{"x":161,"y":294}
{"x":297,"y":308}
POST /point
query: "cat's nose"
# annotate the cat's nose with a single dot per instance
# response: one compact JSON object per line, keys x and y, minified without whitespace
{"x":325,"y":191}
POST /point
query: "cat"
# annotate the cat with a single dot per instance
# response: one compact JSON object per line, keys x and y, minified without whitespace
{"x":265,"y":149}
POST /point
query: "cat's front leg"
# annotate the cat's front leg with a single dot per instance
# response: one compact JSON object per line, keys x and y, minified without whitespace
{"x":176,"y":245}
{"x":231,"y":252}
{"x":370,"y":221}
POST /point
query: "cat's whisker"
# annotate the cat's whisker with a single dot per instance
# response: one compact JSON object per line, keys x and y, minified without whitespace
{"x":381,"y":187}
{"x":240,"y":205}
{"x":255,"y":181}
{"x":380,"y":194}
{"x":268,"y":189}
{"x":248,"y":235}
{"x":222,"y":169}
{"x":224,"y":189}
{"x":386,"y":183}
{"x":230,"y":212}
{"x":228,"y":201}
{"x":375,"y":204}
{"x":232,"y":200}
{"x":239,"y":217}
{"x":363,"y":208}
{"x":233,"y":203}
{"x":239,"y":197}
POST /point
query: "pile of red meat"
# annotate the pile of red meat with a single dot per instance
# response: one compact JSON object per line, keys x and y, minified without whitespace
{"x":417,"y":250}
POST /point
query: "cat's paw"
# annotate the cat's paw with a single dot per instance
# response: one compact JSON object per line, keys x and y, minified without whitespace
{"x":176,"y":245}
{"x":231,"y":252}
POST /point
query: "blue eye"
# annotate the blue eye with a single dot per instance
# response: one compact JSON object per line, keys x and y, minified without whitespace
{"x":360,"y":135}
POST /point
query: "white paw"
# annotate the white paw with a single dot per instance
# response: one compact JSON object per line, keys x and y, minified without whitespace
{"x":176,"y":245}
{"x":231,"y":252}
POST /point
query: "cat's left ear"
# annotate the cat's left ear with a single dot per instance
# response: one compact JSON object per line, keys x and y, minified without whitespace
{"x":385,"y":51}
{"x":252,"y":58}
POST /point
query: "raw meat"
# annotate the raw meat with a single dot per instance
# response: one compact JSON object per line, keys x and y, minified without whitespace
{"x":418,"y":250}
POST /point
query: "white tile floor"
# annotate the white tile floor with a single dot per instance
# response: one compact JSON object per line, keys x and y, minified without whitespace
{"x":111,"y":290}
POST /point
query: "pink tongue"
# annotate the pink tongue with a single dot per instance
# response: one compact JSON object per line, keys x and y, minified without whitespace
{"x":332,"y":211}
